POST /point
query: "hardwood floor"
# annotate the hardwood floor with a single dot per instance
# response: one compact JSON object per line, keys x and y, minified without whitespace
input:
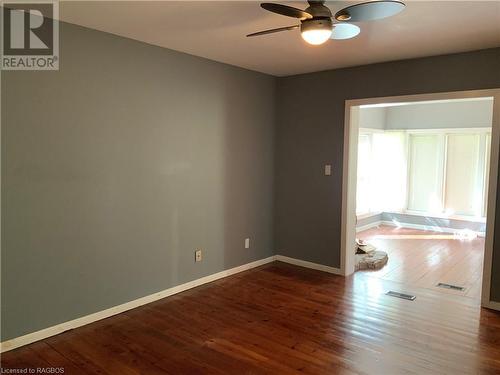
{"x":282,"y":319}
{"x":424,"y":259}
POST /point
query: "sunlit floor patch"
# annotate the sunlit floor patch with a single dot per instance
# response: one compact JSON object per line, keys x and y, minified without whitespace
{"x":415,"y":236}
{"x":448,"y":236}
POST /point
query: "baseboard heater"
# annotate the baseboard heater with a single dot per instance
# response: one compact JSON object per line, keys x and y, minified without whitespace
{"x":409,"y":297}
{"x":450,"y":286}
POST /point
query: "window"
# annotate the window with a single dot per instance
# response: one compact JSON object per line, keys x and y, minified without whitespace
{"x":363,"y":194}
{"x":464,"y":175}
{"x":389,"y":171}
{"x":486,"y":173}
{"x":427,"y":171}
{"x":381,"y":172}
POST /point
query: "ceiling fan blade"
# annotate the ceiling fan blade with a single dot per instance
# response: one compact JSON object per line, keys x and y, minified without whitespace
{"x":370,"y":11}
{"x":274,"y":30}
{"x":345,"y":31}
{"x":285,"y":10}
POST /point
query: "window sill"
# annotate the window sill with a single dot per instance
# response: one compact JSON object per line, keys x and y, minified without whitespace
{"x":473,"y":219}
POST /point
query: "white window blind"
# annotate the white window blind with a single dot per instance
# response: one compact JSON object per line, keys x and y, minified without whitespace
{"x":464,"y":177}
{"x":426,"y":172}
{"x":486,"y":178}
{"x":388,"y":171}
{"x":363,"y":193}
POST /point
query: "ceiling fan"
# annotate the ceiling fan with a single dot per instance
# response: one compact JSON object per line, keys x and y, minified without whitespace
{"x":317,"y":24}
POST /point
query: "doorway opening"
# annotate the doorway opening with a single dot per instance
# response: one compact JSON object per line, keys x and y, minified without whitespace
{"x":420,"y":178}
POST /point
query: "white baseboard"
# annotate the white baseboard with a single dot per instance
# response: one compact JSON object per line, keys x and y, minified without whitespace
{"x":368,"y":226}
{"x":306,"y":264}
{"x":60,"y":328}
{"x":84,"y":320}
{"x":491,"y":305}
{"x":72,"y":324}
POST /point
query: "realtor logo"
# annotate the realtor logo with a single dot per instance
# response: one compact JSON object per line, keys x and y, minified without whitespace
{"x":30,"y":35}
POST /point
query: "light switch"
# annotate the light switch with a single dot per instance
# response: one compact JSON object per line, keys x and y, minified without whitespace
{"x":328,"y":170}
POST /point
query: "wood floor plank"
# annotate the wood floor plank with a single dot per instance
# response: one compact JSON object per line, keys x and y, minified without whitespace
{"x":54,"y":359}
{"x":283,"y":319}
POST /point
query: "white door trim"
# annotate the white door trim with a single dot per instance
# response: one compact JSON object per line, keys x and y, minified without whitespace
{"x":351,"y":127}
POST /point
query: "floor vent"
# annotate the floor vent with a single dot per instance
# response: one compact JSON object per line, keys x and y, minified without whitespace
{"x":409,"y":297}
{"x":449,"y":286}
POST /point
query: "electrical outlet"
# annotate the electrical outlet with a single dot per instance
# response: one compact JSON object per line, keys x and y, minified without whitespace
{"x":247,"y":243}
{"x":197,"y":256}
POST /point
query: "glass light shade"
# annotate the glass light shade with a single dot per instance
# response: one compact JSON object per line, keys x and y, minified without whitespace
{"x":316,"y":37}
{"x":345,"y":31}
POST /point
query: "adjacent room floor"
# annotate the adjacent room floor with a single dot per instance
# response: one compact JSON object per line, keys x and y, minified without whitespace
{"x":424,"y":259}
{"x":282,"y":319}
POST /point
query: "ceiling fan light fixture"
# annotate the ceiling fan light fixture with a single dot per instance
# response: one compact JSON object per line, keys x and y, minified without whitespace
{"x":316,"y":31}
{"x":316,"y":21}
{"x":345,"y":16}
{"x":316,"y":37}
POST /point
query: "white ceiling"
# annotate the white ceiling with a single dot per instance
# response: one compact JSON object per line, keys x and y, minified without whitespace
{"x":216,"y":30}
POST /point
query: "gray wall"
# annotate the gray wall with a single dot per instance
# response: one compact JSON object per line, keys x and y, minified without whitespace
{"x":118,"y":166}
{"x":457,"y":114}
{"x":308,"y":204}
{"x":373,"y":118}
{"x":368,"y":220}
